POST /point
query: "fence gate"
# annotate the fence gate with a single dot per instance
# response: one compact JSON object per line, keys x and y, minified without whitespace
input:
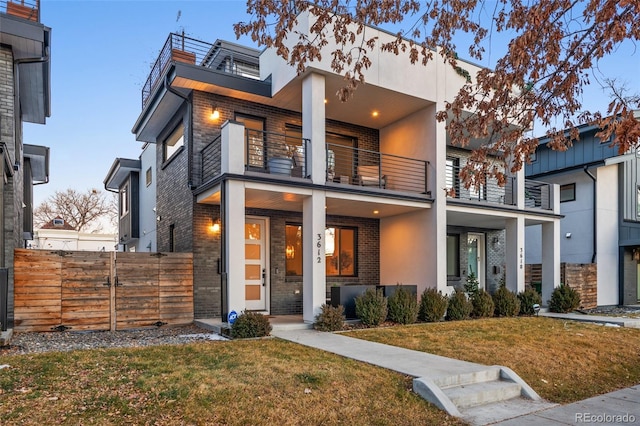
{"x":84,"y":290}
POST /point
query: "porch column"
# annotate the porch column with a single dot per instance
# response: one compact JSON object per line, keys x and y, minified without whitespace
{"x":514,"y":268}
{"x":313,"y":254}
{"x":313,"y":125}
{"x":550,"y":258}
{"x":232,"y":154}
{"x":234,"y":244}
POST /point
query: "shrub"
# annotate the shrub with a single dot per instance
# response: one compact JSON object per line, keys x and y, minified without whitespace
{"x":483,"y":306}
{"x":403,"y":306}
{"x":460,"y":307}
{"x":371,"y":307}
{"x":433,"y":305}
{"x":528,"y":298}
{"x":471,"y":287}
{"x":506,"y":303}
{"x":250,"y":324}
{"x":564,"y":299}
{"x":330,"y":318}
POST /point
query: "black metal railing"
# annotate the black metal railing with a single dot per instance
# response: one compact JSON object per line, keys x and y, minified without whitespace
{"x":373,"y":169}
{"x":25,"y":9}
{"x":181,"y":48}
{"x":211,"y":160}
{"x":490,"y":191}
{"x":276,"y":153}
{"x":538,"y":195}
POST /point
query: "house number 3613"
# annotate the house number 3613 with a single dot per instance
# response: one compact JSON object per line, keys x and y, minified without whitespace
{"x":319,"y":247}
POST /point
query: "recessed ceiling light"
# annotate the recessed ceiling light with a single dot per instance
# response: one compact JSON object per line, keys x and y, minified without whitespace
{"x":376,"y":212}
{"x":375,"y":113}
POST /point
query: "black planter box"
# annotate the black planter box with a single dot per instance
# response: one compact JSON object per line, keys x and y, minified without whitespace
{"x":346,"y":296}
{"x":388,"y":290}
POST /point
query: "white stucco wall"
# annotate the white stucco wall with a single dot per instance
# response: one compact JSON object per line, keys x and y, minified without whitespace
{"x":607,"y":235}
{"x":147,"y":201}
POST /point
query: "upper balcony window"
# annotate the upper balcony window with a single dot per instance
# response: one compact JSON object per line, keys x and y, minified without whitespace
{"x":124,"y":200}
{"x":173,"y":143}
{"x":568,"y":192}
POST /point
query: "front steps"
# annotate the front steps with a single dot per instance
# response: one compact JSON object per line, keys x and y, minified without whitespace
{"x":481,"y":397}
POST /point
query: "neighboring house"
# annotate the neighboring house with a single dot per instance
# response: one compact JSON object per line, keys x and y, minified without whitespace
{"x":281,"y":191}
{"x":134,"y":181}
{"x":600,"y":201}
{"x":59,"y":235}
{"x":25,"y":90}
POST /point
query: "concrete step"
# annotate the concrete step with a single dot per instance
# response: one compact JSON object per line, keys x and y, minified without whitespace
{"x":503,"y":410}
{"x":472,"y":394}
{"x":490,"y":374}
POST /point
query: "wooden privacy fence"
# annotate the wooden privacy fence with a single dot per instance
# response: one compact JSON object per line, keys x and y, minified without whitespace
{"x":81,"y":290}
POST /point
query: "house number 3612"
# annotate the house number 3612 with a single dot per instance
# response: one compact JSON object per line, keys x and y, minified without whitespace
{"x":319,"y":247}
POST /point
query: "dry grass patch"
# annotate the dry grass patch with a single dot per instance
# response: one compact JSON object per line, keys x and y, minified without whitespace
{"x":258,"y":382}
{"x":564,"y":361}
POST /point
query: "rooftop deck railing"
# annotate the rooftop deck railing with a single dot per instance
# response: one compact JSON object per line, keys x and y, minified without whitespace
{"x":181,"y":48}
{"x":25,"y":9}
{"x":372,"y":169}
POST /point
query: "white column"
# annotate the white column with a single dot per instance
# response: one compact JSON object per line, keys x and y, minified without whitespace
{"x":313,"y":125}
{"x":232,"y":150}
{"x":234,"y":243}
{"x":550,"y":258}
{"x":313,"y":254}
{"x":514,"y":268}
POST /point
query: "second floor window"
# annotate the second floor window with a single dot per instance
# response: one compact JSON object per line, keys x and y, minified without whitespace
{"x":124,"y":200}
{"x":568,"y":192}
{"x":173,"y":143}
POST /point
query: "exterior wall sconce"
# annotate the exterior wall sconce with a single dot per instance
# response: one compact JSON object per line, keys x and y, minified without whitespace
{"x":215,"y":113}
{"x":495,"y":243}
{"x":215,"y":226}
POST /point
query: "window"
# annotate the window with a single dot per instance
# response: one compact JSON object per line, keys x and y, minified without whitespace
{"x":293,"y":250}
{"x":638,"y":200}
{"x":340,"y":251}
{"x":148,"y":176}
{"x":124,"y":200}
{"x":568,"y":192}
{"x":453,"y":256}
{"x":58,"y":222}
{"x":254,"y":130}
{"x":451,"y":177}
{"x":174,"y":142}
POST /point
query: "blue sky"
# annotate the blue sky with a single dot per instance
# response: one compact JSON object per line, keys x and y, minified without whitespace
{"x":101,"y":55}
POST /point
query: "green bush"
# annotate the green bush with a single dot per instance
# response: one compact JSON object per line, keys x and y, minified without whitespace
{"x":371,"y":307}
{"x":528,"y":298}
{"x":330,"y":318}
{"x":403,"y":306}
{"x":460,"y":307}
{"x":564,"y":299}
{"x":506,"y":302}
{"x":471,"y":287}
{"x":250,"y":324}
{"x":433,"y":305}
{"x":483,"y":306}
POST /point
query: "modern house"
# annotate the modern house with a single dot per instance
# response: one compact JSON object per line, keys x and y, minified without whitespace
{"x":25,"y":91}
{"x":59,"y":235}
{"x":134,"y":181}
{"x":600,"y":201}
{"x":281,"y":191}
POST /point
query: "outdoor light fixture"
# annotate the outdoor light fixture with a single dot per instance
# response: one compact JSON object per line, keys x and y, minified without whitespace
{"x":215,"y":225}
{"x":215,"y":114}
{"x":536,"y":308}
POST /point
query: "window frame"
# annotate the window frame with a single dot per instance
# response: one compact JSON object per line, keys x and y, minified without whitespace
{"x":286,"y":243}
{"x":456,"y":259}
{"x":567,"y":186}
{"x":148,"y":176}
{"x":339,"y":229}
{"x":175,"y":140}
{"x":124,"y":200}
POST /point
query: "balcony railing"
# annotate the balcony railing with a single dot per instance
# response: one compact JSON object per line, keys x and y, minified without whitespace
{"x":489,"y":192}
{"x":211,"y":160}
{"x":538,"y":195}
{"x":276,"y":153}
{"x":25,"y":9}
{"x":180,"y":48}
{"x":372,"y":169}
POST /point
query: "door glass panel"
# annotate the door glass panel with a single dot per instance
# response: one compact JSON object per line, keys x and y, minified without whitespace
{"x":252,"y":251}
{"x":252,"y":231}
{"x":252,"y":272}
{"x":252,"y":292}
{"x":473,"y":255}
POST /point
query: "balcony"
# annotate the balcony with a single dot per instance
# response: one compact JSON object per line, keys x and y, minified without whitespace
{"x":220,"y":56}
{"x":536,"y":195}
{"x":286,"y":157}
{"x":25,"y":9}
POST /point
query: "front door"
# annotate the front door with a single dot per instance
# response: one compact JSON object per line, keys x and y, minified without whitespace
{"x":476,"y":261}
{"x":255,"y":264}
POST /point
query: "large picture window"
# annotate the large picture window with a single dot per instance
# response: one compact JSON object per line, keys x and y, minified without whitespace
{"x":453,"y":256}
{"x":340,"y":251}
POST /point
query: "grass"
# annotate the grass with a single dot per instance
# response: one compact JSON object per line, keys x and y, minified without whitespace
{"x":564,"y":361}
{"x":258,"y":382}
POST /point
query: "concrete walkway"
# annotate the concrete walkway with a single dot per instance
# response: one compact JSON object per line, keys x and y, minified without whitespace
{"x":599,"y":319}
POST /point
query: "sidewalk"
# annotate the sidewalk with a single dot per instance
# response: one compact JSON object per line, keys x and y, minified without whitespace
{"x":599,"y":319}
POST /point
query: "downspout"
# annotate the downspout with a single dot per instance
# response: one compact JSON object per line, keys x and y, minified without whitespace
{"x":595,"y":215}
{"x":170,"y":89}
